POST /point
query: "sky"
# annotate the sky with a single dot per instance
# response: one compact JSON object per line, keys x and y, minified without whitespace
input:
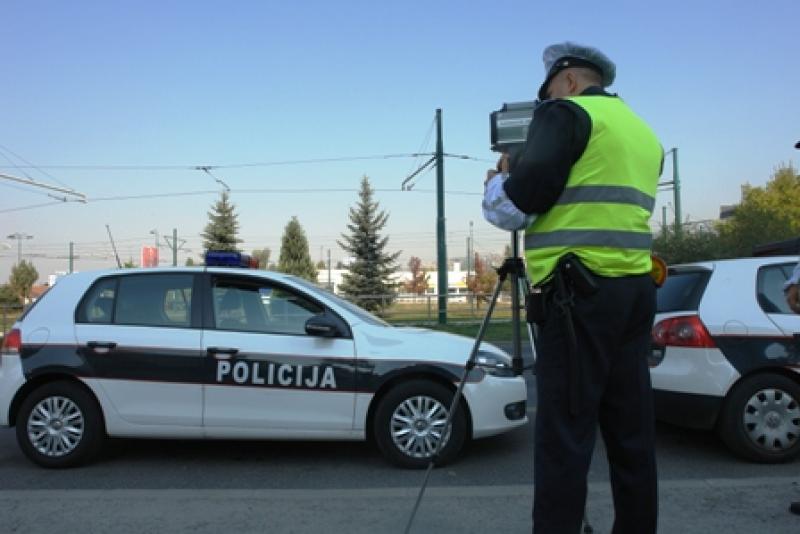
{"x":121,"y":101}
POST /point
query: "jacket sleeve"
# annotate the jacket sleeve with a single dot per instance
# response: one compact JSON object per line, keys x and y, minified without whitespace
{"x":557,"y":137}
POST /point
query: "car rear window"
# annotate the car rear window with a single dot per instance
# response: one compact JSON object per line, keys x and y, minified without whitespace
{"x":682,"y":290}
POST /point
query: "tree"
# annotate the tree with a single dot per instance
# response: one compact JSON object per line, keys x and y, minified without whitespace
{"x":223,"y":225}
{"x":189,"y":262}
{"x":23,"y":276}
{"x":262,"y":255}
{"x":482,"y":283}
{"x":321,"y":265}
{"x":766,"y":214}
{"x":7,"y":296}
{"x":294,"y":257}
{"x":370,"y":271}
{"x":698,"y":243}
{"x":419,"y":278}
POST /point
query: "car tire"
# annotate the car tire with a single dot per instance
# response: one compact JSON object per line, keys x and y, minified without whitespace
{"x":406,"y":420}
{"x":60,"y":425}
{"x":760,"y":420}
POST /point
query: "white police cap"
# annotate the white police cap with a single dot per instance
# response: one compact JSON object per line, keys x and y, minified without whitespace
{"x":560,"y":56}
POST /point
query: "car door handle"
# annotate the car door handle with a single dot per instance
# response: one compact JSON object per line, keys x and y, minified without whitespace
{"x":101,"y":347}
{"x":222,"y":353}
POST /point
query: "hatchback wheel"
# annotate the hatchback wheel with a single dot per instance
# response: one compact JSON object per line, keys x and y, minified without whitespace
{"x":409,"y":423}
{"x":761,"y":419}
{"x":59,"y":425}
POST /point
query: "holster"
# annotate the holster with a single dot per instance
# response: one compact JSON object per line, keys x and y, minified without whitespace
{"x":571,"y":278}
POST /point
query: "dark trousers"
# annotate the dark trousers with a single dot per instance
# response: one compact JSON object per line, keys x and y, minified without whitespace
{"x":613,"y":339}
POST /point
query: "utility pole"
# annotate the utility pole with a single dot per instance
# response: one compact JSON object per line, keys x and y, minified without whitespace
{"x":71,"y":256}
{"x":441,"y":245}
{"x":174,"y":245}
{"x":19,"y":237}
{"x":664,"y":220}
{"x":330,"y":282}
{"x":114,"y":247}
{"x":676,"y":188}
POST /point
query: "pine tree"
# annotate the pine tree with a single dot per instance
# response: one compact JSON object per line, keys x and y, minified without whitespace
{"x":369,"y":273}
{"x":294,"y":257}
{"x":223,"y":225}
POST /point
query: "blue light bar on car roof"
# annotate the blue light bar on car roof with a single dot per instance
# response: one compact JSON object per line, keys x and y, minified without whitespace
{"x":223,"y":258}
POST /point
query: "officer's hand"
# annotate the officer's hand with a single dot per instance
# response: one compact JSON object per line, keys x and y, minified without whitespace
{"x":502,"y":164}
{"x":793,"y":298}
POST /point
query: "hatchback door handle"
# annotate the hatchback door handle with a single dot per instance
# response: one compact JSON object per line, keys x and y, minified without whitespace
{"x":222,"y":353}
{"x":101,"y":347}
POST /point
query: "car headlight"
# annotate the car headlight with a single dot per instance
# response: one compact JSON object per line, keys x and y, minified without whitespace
{"x":494,"y":364}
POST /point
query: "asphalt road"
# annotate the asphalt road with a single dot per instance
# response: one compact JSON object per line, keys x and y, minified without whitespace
{"x":204,"y":486}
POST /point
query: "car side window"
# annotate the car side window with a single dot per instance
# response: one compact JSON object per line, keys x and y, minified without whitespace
{"x":154,"y":300}
{"x":769,"y":289}
{"x":261,"y":307}
{"x":98,"y":304}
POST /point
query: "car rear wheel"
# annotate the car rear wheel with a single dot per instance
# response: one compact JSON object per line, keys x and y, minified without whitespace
{"x":59,"y":425}
{"x":761,"y":419}
{"x":409,"y":423}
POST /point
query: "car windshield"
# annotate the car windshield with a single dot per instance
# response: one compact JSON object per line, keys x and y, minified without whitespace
{"x":361,"y":313}
{"x":682,"y":290}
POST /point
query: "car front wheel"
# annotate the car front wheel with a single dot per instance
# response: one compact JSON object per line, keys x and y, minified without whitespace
{"x":59,"y":425}
{"x":761,"y":419}
{"x":409,"y":423}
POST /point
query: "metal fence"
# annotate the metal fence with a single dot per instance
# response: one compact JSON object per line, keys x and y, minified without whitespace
{"x":410,"y":308}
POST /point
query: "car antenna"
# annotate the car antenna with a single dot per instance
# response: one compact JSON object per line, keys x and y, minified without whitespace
{"x":113,"y":246}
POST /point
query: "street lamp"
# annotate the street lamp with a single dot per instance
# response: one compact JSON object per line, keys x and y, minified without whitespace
{"x":19,"y":237}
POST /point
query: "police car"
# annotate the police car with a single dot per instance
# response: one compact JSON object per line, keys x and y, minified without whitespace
{"x":726,"y":354}
{"x":225,"y":352}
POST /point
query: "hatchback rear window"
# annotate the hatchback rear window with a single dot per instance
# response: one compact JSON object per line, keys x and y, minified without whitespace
{"x":683,"y":290}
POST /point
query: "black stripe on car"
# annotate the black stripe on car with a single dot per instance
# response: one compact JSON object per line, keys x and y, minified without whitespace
{"x":301,"y":372}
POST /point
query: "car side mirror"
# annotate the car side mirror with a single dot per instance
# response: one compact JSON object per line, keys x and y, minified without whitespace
{"x":322,"y":326}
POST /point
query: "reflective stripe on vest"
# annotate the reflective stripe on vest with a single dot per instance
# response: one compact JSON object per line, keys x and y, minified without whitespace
{"x":589,"y":238}
{"x":617,"y":194}
{"x":602,"y":215}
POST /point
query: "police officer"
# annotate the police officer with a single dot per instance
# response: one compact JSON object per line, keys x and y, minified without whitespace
{"x":585,"y":185}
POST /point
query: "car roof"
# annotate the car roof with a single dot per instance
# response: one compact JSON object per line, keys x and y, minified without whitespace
{"x":239,"y":271}
{"x":737,"y":262}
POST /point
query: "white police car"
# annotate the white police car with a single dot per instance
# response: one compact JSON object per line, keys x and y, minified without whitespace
{"x":726,"y":354}
{"x":222,"y":352}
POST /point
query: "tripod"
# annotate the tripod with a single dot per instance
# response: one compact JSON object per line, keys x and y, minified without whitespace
{"x":514,"y":267}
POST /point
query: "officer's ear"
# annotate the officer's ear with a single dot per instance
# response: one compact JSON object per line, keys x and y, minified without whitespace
{"x":572,"y":82}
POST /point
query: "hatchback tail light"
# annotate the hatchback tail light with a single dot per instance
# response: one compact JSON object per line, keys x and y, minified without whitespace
{"x":685,"y":331}
{"x":12,"y":342}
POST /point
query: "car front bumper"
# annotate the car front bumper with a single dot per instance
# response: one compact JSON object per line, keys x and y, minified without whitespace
{"x":488,"y":402}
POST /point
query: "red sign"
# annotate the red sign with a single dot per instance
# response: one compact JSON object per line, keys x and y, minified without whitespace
{"x":149,"y":257}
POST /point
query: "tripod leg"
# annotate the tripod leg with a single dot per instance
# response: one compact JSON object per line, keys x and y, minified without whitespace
{"x":468,"y":366}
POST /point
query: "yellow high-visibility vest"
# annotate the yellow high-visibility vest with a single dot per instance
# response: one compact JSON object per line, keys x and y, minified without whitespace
{"x":602,"y":215}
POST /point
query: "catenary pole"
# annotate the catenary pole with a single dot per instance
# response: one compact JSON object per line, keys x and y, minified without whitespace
{"x":441,"y":246}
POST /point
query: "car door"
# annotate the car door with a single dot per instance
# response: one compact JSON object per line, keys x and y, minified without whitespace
{"x":265,"y":375}
{"x":140,"y":334}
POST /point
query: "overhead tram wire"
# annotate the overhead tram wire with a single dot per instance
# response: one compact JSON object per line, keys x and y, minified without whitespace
{"x":234,"y":191}
{"x":221,"y":166}
{"x":6,"y":149}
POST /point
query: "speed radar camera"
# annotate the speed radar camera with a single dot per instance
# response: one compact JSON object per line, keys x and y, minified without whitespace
{"x":509,"y":125}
